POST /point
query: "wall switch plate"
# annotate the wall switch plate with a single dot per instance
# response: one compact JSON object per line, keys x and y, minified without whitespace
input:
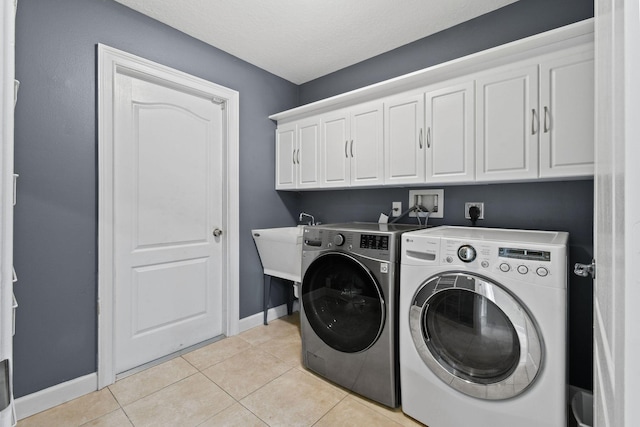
{"x":479,"y":205}
{"x":396,"y":208}
{"x":431,"y":200}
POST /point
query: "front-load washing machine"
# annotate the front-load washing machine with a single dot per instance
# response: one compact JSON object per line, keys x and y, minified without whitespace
{"x":349,"y":306}
{"x":483,"y":327}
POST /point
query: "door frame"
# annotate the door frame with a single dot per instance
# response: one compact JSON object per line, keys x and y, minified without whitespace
{"x":8,"y":92}
{"x":616,"y":290}
{"x":110,"y":61}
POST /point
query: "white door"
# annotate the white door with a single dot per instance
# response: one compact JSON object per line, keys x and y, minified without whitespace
{"x":286,"y":166}
{"x":366,"y":146}
{"x":507,"y":124}
{"x":617,"y":215}
{"x":167,"y":186}
{"x":335,"y":149}
{"x":567,"y":116}
{"x":450,"y":135}
{"x":308,"y":154}
{"x":404,"y":139}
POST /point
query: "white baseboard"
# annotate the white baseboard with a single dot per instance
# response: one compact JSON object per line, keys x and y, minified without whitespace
{"x":56,"y":395}
{"x":249,"y":322}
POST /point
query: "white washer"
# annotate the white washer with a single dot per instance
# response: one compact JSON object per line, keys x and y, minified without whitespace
{"x":483,"y":327}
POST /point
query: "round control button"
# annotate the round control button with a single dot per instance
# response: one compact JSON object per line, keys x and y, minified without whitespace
{"x":542,"y":272}
{"x":505,"y":267}
{"x":449,"y":259}
{"x":338,"y":240}
{"x":466,"y":253}
{"x":484,"y":264}
{"x":523,"y":269}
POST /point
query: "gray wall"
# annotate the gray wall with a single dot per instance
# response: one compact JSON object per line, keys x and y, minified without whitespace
{"x":56,"y":214}
{"x":515,"y":21}
{"x":566,"y":206}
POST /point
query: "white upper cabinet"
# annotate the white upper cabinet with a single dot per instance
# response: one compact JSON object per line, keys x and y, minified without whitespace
{"x":518,"y":112}
{"x":507,"y":124}
{"x":404,"y":139}
{"x":297,"y":155}
{"x":335,"y":155}
{"x":352,"y":146}
{"x":308,"y":155}
{"x":366,"y":148}
{"x":567,"y":115}
{"x":286,"y":150}
{"x":450,"y":133}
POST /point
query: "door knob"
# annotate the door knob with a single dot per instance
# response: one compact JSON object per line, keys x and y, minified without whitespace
{"x":217,"y":232}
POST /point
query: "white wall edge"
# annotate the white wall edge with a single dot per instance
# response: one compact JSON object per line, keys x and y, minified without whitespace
{"x":273,"y":313}
{"x":56,"y":395}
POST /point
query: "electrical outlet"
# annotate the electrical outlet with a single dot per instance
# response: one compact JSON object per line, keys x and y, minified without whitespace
{"x":479,"y":205}
{"x":396,"y":208}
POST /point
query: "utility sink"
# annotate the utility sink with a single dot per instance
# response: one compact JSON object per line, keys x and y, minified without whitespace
{"x":280,"y":251}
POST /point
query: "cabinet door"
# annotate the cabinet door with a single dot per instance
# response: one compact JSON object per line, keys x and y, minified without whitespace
{"x":404,"y":139}
{"x":507,"y":125}
{"x":335,"y":149}
{"x":567,"y":116}
{"x":308,"y":154}
{"x":450,"y":139}
{"x":286,"y":151}
{"x":366,"y":146}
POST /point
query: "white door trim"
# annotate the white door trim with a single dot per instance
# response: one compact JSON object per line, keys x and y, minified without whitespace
{"x":111,"y":60}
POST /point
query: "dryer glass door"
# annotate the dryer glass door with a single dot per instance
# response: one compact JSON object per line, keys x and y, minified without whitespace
{"x":343,"y":302}
{"x":475,"y":335}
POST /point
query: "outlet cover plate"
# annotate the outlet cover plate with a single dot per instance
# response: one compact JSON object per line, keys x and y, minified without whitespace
{"x":396,"y":209}
{"x":468,"y":205}
{"x":429,"y":199}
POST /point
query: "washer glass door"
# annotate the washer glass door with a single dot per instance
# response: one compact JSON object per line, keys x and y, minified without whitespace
{"x":342,"y":302}
{"x":475,"y":335}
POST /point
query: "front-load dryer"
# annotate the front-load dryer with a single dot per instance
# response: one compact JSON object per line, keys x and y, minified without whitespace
{"x":349,"y":306}
{"x":483,"y":327}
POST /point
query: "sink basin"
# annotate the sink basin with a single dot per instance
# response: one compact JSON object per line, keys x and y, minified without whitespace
{"x":280,"y":251}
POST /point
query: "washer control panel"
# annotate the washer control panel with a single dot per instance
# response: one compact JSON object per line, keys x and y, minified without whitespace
{"x":381,"y":245}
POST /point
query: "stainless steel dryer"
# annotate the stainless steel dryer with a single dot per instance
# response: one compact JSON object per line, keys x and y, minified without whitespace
{"x":349,"y":307}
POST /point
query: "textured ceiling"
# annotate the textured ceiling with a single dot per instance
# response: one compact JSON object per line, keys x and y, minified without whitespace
{"x":300,"y":40}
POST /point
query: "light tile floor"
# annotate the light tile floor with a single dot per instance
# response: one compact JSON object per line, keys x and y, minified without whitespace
{"x":253,"y":379}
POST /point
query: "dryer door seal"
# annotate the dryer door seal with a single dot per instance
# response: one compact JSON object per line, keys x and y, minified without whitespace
{"x":475,"y":335}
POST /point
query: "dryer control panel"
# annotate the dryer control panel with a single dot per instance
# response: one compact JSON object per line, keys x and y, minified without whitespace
{"x":523,"y":262}
{"x":535,"y":257}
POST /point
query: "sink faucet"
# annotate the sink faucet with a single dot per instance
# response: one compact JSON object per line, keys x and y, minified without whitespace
{"x":303,"y":214}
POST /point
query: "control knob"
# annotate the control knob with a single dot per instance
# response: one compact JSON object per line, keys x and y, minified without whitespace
{"x":338,"y":239}
{"x":466,"y":253}
{"x":542,"y":272}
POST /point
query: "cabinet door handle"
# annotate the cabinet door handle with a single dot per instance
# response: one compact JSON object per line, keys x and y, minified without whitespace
{"x":420,"y":139}
{"x":293,"y":157}
{"x":352,"y":148}
{"x":346,"y":153}
{"x":546,"y":116}
{"x":298,"y":156}
{"x":429,"y":137}
{"x":534,"y":120}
